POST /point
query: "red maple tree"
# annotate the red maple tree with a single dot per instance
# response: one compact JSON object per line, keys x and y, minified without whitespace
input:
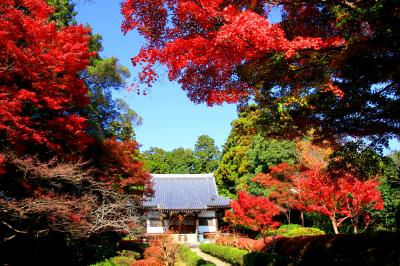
{"x":39,"y":81}
{"x":280,"y":186}
{"x":119,"y":165}
{"x":204,"y":43}
{"x":308,"y":187}
{"x":49,"y":180}
{"x":255,"y":212}
{"x":340,"y":197}
{"x":326,"y":66}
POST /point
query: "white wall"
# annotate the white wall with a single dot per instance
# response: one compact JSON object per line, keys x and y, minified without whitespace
{"x":155,"y":230}
{"x":154,"y":215}
{"x":201,"y":228}
{"x":207,"y":229}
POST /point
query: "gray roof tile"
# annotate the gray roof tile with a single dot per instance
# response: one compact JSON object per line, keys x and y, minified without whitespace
{"x":185,"y":192}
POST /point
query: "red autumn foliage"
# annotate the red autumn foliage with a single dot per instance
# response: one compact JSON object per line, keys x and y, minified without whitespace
{"x":203,"y":43}
{"x":162,"y":249}
{"x":340,"y":199}
{"x":39,"y":82}
{"x":118,"y":163}
{"x":254,"y":212}
{"x":280,"y":185}
{"x":248,"y":244}
{"x":148,"y":262}
{"x":309,"y":187}
{"x":313,"y":189}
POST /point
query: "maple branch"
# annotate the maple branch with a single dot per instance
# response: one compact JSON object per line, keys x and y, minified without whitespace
{"x":12,"y":228}
{"x":6,"y":68}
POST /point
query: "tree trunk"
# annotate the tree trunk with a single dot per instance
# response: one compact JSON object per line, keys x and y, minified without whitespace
{"x":355,"y":229}
{"x":334,"y":225}
{"x":302,"y":218}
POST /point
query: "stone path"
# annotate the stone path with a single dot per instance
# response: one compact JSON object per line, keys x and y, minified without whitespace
{"x":209,"y":257}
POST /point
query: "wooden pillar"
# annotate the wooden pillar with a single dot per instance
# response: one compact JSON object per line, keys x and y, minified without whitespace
{"x":197,"y":223}
{"x":216,"y":221}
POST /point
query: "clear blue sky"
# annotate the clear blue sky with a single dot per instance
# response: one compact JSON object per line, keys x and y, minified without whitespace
{"x":170,"y":120}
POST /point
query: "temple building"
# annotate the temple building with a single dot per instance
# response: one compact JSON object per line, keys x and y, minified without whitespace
{"x":184,"y":204}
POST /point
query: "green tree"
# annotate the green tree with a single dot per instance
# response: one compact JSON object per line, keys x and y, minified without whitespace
{"x":261,"y":155}
{"x":234,"y":163}
{"x":108,"y":117}
{"x":177,"y":161}
{"x":207,"y":155}
{"x":248,"y":152}
{"x":64,"y":12}
{"x":181,"y":161}
{"x":389,"y":218}
{"x":155,"y":161}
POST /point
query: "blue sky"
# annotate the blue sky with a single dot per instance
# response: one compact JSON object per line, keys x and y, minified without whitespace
{"x":170,"y":120}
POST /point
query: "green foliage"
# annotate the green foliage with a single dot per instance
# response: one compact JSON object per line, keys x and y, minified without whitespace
{"x":234,"y":164}
{"x":231,"y":255}
{"x":64,"y":13}
{"x":248,"y":152}
{"x":177,"y":161}
{"x":125,"y":258}
{"x":107,"y":72}
{"x":204,"y":159}
{"x":295,"y":230}
{"x":264,"y":153}
{"x":107,"y":117}
{"x":388,"y":219}
{"x":207,"y":155}
{"x":259,"y":258}
{"x":192,"y":259}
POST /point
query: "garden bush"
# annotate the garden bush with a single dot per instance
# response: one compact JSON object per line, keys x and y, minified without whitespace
{"x":192,"y":259}
{"x":125,"y":258}
{"x":362,"y":249}
{"x":231,"y":255}
{"x":148,"y":262}
{"x":261,"y":258}
{"x":295,"y":230}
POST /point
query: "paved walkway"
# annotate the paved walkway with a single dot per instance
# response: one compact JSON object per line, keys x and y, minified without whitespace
{"x":209,"y":257}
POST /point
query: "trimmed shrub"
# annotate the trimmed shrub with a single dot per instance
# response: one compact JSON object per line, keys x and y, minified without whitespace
{"x":304,"y":231}
{"x":362,"y":249}
{"x":241,"y":243}
{"x":258,"y":258}
{"x":191,"y":258}
{"x":295,"y":230}
{"x":231,"y":255}
{"x":148,"y":262}
{"x":117,"y":261}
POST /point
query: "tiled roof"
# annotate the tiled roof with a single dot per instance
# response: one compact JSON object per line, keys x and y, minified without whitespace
{"x":185,"y":192}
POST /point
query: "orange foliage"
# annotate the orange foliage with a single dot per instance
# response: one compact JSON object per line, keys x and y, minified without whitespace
{"x":148,"y":262}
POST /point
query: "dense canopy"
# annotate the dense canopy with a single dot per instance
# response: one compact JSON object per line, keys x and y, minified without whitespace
{"x":331,"y":66}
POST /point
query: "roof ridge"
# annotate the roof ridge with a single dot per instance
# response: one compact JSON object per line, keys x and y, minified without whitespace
{"x":182,"y":175}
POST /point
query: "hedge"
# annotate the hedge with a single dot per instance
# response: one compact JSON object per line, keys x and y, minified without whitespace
{"x":362,"y":249}
{"x":231,"y":255}
{"x":191,"y":258}
{"x":295,"y":230}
